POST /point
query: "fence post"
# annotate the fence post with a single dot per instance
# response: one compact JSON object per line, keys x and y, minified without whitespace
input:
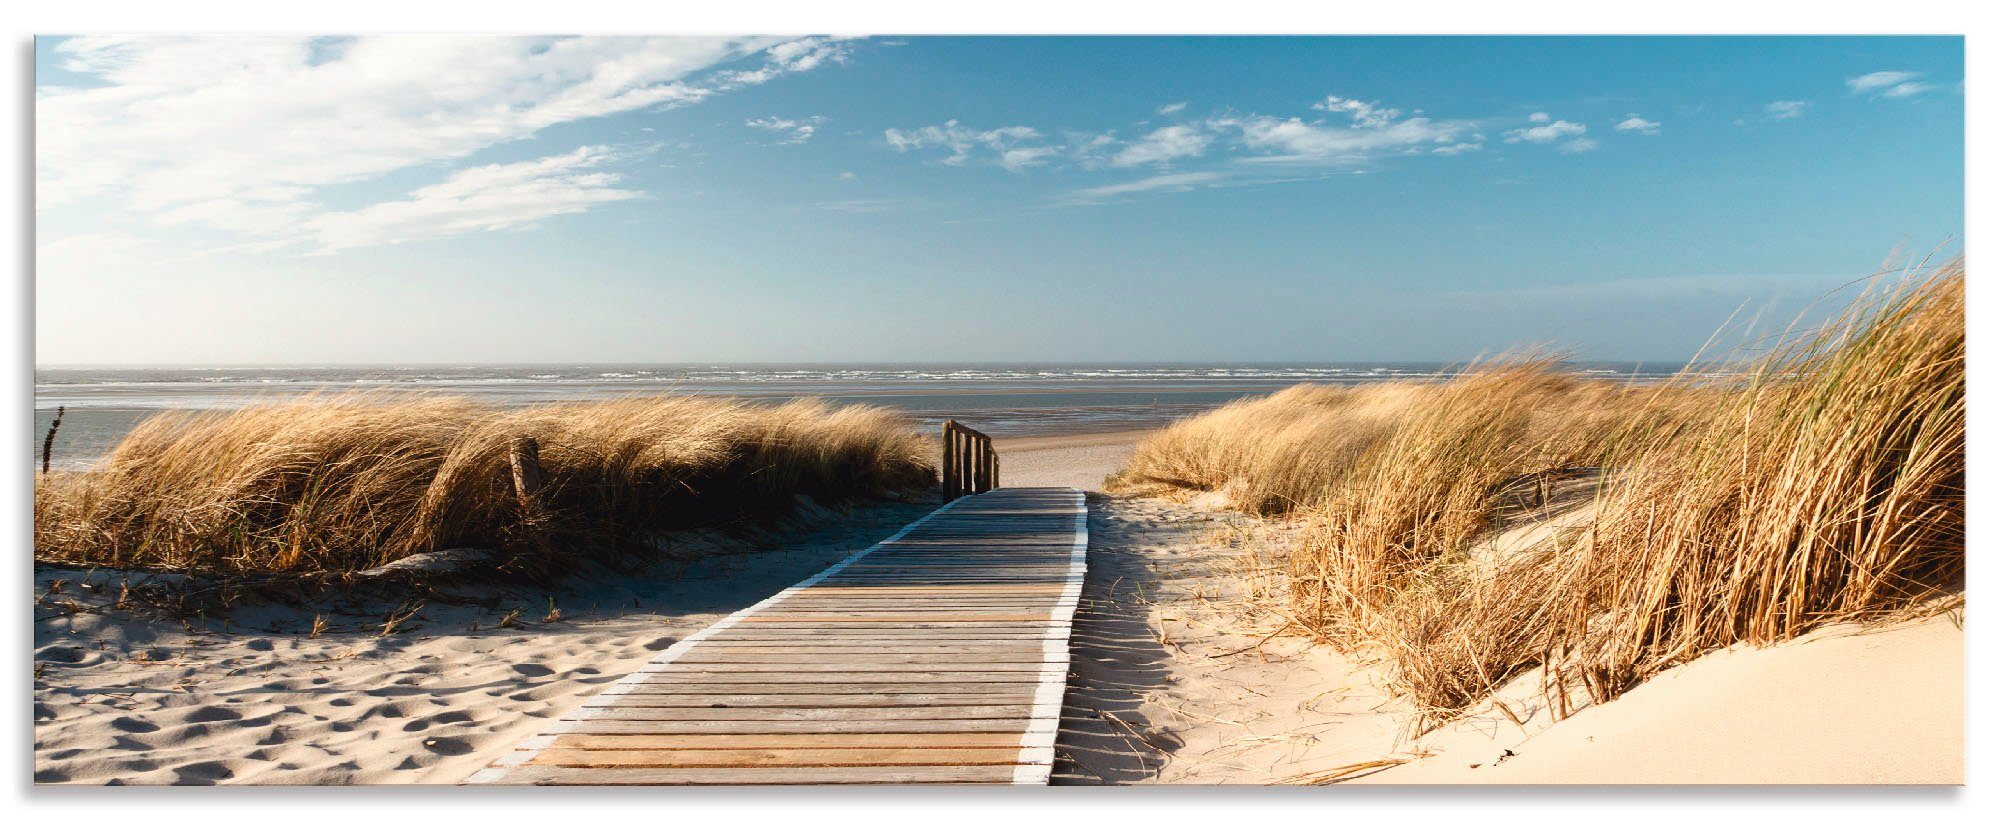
{"x":525,"y":458}
{"x":947,"y":464}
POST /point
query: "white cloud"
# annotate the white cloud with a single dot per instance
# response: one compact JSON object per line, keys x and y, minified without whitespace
{"x":1638,"y":124}
{"x":1171,"y":108}
{"x":1163,"y":145}
{"x":1364,"y":114}
{"x":1786,"y":109}
{"x":485,"y":198}
{"x":239,"y":133}
{"x":1578,"y":146}
{"x":1014,"y":147}
{"x":1161,"y":182}
{"x":788,"y":58}
{"x":1292,"y":140}
{"x":792,"y":132}
{"x":1888,"y":84}
{"x":1457,"y":148}
{"x":1548,"y":131}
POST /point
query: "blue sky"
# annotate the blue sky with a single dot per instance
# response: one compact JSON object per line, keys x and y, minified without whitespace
{"x":432,"y":199}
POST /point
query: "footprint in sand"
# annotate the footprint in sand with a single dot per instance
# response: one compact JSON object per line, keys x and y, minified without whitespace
{"x":658,"y":644}
{"x":447,"y":745}
{"x":132,"y":724}
{"x":532,"y":670}
{"x":201,"y":774}
{"x":211,"y":714}
{"x":127,"y":744}
{"x":59,"y":654}
{"x":259,"y":645}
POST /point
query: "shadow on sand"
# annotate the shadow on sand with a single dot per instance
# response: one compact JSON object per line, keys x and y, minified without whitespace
{"x":1115,"y":658}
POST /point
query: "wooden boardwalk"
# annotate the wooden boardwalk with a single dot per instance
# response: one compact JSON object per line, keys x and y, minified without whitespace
{"x":936,"y":656}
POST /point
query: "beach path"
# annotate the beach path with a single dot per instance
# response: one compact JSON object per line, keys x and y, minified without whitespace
{"x":936,"y":656}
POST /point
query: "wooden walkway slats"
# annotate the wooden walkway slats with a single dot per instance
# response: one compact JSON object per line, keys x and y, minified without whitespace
{"x":936,"y":656}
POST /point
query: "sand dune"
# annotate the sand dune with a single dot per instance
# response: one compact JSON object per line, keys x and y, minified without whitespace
{"x":1842,"y":705}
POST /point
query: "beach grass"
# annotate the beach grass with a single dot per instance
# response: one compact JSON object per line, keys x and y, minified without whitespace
{"x":1823,"y":482}
{"x":353,"y":481}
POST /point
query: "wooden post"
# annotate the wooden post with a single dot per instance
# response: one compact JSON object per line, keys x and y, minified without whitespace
{"x":525,"y":457}
{"x":980,"y":482}
{"x":965,"y":464}
{"x":948,"y":464}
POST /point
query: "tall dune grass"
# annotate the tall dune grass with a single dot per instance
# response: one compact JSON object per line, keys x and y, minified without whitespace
{"x":1826,"y":485}
{"x":354,"y":481}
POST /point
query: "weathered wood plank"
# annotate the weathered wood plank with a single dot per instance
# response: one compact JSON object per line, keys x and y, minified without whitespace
{"x":950,"y":711}
{"x":818,"y":776}
{"x":772,"y":758}
{"x":825,"y":727}
{"x":826,"y":699}
{"x":887,"y":740}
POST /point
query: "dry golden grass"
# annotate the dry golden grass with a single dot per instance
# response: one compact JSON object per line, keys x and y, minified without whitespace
{"x":1827,"y":485}
{"x":354,"y":481}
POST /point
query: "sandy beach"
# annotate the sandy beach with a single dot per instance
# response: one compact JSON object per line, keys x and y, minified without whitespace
{"x":1082,"y":460}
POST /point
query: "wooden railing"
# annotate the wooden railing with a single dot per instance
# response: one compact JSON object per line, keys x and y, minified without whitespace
{"x":970,"y":464}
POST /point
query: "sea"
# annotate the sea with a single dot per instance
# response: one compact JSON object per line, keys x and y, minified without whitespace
{"x":101,"y":404}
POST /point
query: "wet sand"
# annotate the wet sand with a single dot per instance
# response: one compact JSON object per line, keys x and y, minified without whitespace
{"x":1080,"y":460}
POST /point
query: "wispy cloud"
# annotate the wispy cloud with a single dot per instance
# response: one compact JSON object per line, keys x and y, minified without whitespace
{"x":240,"y":135}
{"x":1364,"y":114}
{"x":1891,"y":84}
{"x":791,"y":132}
{"x":1014,"y":147}
{"x":1633,"y":123}
{"x":1162,"y":182}
{"x":1545,"y":130}
{"x":1170,"y":109}
{"x":789,"y":57}
{"x":1292,"y":140}
{"x":1342,"y":135}
{"x":1164,"y":145}
{"x":486,"y":198}
{"x":1786,"y":109}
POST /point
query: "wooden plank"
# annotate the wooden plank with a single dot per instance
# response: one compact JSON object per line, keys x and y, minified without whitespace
{"x":949,"y":711}
{"x":772,"y":758}
{"x":808,"y":687}
{"x":886,"y":740}
{"x":890,"y":666}
{"x":820,"y":698}
{"x":895,"y":619}
{"x":825,"y":727}
{"x":817,"y":776}
{"x":835,"y":678}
